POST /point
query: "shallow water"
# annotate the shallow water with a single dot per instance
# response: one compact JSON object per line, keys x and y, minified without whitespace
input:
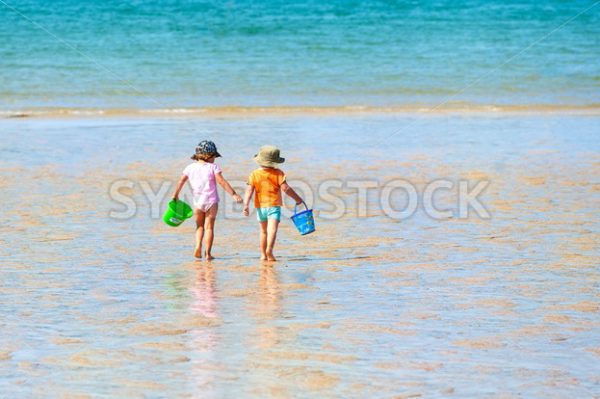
{"x":367,"y":306}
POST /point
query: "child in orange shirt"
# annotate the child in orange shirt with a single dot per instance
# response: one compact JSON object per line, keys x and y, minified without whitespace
{"x":268,"y":182}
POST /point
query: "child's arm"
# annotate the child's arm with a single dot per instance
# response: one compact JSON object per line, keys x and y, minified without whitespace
{"x":290,"y":191}
{"x":227,"y":187}
{"x":247,"y":198}
{"x":182,"y":181}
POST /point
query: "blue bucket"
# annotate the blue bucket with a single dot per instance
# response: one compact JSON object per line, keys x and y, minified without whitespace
{"x":304,"y":221}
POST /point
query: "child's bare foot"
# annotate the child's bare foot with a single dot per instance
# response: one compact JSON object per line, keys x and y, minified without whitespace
{"x":198,"y":253}
{"x":271,"y":258}
{"x":208,"y":256}
{"x":263,"y":257}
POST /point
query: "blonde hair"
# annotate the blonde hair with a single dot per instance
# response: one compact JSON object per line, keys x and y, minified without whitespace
{"x":202,"y":157}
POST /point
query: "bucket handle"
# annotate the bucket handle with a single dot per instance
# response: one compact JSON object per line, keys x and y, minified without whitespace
{"x":296,"y":208}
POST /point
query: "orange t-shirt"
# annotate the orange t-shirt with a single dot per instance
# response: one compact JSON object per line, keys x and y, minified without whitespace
{"x":267,"y":185}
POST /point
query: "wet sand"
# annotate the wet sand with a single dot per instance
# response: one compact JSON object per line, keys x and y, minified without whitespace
{"x":455,"y":108}
{"x":368,"y":306}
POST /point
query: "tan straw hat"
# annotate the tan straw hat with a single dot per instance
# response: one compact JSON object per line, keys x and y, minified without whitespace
{"x":268,"y":156}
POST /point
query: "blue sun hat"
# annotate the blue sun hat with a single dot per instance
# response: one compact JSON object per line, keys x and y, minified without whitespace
{"x":207,"y":147}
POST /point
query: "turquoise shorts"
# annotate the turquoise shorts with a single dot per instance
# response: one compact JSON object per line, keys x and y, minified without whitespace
{"x":272,"y":212}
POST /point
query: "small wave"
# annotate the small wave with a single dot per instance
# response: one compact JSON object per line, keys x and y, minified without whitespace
{"x":449,"y":108}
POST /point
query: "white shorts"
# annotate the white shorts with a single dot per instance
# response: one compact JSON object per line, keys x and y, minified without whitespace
{"x":202,"y":205}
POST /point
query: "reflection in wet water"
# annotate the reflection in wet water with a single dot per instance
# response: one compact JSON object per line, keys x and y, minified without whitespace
{"x":268,"y":307}
{"x":204,"y":291}
{"x":204,"y":342}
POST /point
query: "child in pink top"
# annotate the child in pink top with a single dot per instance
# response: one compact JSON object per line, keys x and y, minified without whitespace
{"x":203,"y":176}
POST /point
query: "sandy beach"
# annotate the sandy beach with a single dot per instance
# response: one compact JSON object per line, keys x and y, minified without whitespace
{"x":101,"y":306}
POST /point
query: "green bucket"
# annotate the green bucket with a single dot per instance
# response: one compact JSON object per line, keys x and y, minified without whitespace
{"x":177,"y":212}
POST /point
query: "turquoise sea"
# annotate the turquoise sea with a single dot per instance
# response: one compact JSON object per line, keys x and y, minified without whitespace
{"x":171,"y":54}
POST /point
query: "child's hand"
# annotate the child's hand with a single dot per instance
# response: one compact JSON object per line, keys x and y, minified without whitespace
{"x":246,"y":211}
{"x":237,"y":198}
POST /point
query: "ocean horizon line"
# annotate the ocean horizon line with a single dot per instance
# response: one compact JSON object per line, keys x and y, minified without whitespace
{"x":235,"y":110}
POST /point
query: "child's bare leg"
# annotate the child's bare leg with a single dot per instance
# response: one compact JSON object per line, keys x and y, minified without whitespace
{"x":199,"y":232}
{"x":263,"y":240}
{"x":273,"y":225}
{"x":209,"y":226}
